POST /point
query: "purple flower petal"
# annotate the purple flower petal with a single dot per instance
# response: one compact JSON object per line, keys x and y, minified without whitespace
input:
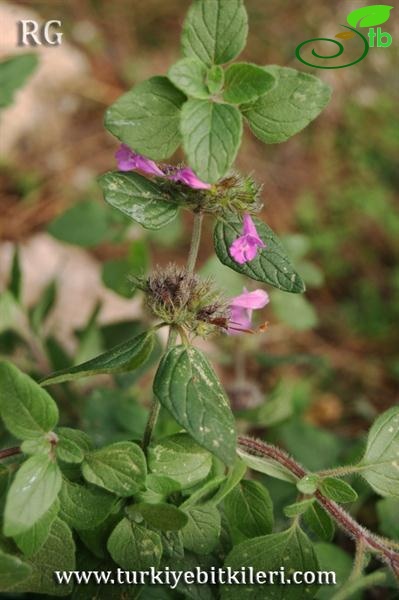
{"x":241,"y":308}
{"x":251,"y":300}
{"x":128,"y":160}
{"x":245,"y":248}
{"x":188,"y":177}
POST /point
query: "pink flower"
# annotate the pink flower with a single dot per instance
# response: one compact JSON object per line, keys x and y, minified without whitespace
{"x":245,"y":248}
{"x":241,"y":308}
{"x":130,"y":161}
{"x":187,"y":176}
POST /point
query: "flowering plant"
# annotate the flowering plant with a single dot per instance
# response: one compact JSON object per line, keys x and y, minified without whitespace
{"x":182,"y":499}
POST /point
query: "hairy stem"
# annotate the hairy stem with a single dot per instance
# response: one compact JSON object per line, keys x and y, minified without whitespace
{"x":195,"y":241}
{"x":9,"y":452}
{"x":369,"y":540}
{"x":192,"y":259}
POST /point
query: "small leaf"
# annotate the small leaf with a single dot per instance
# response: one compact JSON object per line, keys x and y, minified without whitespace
{"x":249,"y":510}
{"x":134,"y":547}
{"x":57,"y":554}
{"x":308,"y":484}
{"x":31,"y":494}
{"x":158,"y":488}
{"x":244,"y":82}
{"x":12,"y":569}
{"x":295,"y":100}
{"x":320,"y":522}
{"x":211,"y":137}
{"x":189,"y":75}
{"x":147,"y":118}
{"x":181,"y":459}
{"x":26,"y":409}
{"x":271,"y":265}
{"x":380,"y":464}
{"x":84,"y":224}
{"x":337,"y":490}
{"x":369,"y":16}
{"x":215,"y":31}
{"x":165,"y":517}
{"x":201,"y":533}
{"x":119,"y":468}
{"x":126,"y":356}
{"x":298,"y":508}
{"x":33,"y":539}
{"x":230,"y":482}
{"x":187,"y":386}
{"x":139,"y":198}
{"x":72,"y":445}
{"x":266,"y":465}
{"x":215,"y":79}
{"x":84,"y":507}
{"x":291,"y":549}
{"x":14,"y":72}
{"x":15,"y":284}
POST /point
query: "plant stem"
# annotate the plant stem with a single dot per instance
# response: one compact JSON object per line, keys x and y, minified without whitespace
{"x":192,"y":259}
{"x":369,"y":540}
{"x":195,"y":241}
{"x":9,"y":452}
{"x":340,"y":471}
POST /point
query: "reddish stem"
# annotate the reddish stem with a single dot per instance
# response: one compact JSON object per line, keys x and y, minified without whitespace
{"x":9,"y":452}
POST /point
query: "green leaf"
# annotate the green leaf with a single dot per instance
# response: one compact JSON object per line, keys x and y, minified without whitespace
{"x":308,"y":484}
{"x":369,"y":16}
{"x":380,"y":464}
{"x":12,"y":569}
{"x":158,"y":488}
{"x":27,"y":410}
{"x":211,"y":137}
{"x":14,"y":72}
{"x":295,"y":100}
{"x":31,"y":494}
{"x":266,"y":465}
{"x":244,"y":82}
{"x":215,"y":31}
{"x":180,"y":458}
{"x":230,"y":482}
{"x":44,"y":305}
{"x":147,"y":118}
{"x":139,"y":198}
{"x":84,"y":224}
{"x":189,"y":75}
{"x":165,"y":517}
{"x":126,"y":356}
{"x":40,"y":445}
{"x":33,"y":539}
{"x":187,"y":386}
{"x":320,"y":522}
{"x":215,"y":79}
{"x":291,"y":549}
{"x":271,"y":265}
{"x":249,"y":510}
{"x":201,"y":534}
{"x":134,"y":547}
{"x":84,"y":507}
{"x":388,"y":510}
{"x":12,"y":316}
{"x":337,"y":490}
{"x":298,"y":508}
{"x":57,"y":554}
{"x":72,"y":445}
{"x":119,"y":468}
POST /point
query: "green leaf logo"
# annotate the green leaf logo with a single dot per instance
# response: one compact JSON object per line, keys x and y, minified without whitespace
{"x":369,"y":16}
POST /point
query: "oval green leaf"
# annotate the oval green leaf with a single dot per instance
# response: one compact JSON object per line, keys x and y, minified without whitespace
{"x":147,"y":118}
{"x":271,"y":265}
{"x":249,"y":511}
{"x":211,"y":137}
{"x":215,"y":31}
{"x":295,"y":100}
{"x":27,"y":410}
{"x":189,"y":75}
{"x":244,"y":82}
{"x":187,"y":386}
{"x":126,"y":545}
{"x":162,"y":516}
